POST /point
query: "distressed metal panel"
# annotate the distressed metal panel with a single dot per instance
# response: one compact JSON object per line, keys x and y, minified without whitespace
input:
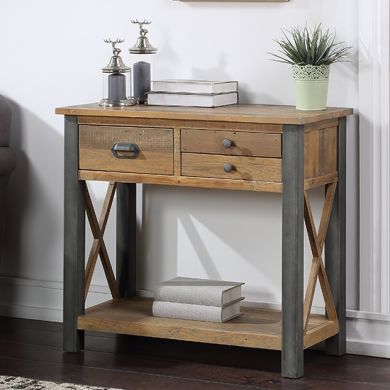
{"x":335,"y":255}
{"x":126,"y":227}
{"x":74,"y":241}
{"x":292,"y":251}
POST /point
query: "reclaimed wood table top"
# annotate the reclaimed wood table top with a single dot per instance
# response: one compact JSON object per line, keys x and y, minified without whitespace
{"x":249,"y":113}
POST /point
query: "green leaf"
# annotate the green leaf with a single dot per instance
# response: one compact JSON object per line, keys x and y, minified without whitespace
{"x":315,"y":47}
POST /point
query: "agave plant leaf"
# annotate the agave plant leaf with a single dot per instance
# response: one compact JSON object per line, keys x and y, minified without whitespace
{"x":323,"y":52}
{"x":309,"y":59}
{"x":306,"y":46}
{"x":289,"y":52}
{"x":287,"y":46}
{"x":299,"y":43}
{"x":314,"y":44}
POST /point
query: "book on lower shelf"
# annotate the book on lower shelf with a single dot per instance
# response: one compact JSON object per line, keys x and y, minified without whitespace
{"x":198,"y":291}
{"x":194,"y":86}
{"x":197,"y":299}
{"x":187,"y":311}
{"x":192,"y":99}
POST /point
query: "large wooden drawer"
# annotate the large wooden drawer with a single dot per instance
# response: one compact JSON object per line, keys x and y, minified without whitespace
{"x":242,"y":168}
{"x":155,"y":147}
{"x":231,"y":143}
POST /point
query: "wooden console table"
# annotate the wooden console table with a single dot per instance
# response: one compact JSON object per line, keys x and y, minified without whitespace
{"x":244,"y":147}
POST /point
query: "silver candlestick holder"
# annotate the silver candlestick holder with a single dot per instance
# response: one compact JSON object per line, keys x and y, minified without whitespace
{"x":116,"y":79}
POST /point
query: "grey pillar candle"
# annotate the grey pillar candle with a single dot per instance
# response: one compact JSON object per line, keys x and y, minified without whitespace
{"x":141,"y":80}
{"x":116,"y":87}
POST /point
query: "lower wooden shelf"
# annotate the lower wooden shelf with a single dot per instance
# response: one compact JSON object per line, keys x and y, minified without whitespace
{"x":255,"y":328}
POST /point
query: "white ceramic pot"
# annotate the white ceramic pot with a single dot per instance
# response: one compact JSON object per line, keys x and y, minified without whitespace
{"x":311,"y":86}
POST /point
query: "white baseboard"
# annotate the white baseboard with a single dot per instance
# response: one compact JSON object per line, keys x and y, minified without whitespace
{"x":39,"y":299}
{"x":367,"y":333}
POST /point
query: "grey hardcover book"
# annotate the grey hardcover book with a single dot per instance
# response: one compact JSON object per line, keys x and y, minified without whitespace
{"x":192,"y":99}
{"x":199,"y":291}
{"x":186,"y":311}
{"x":194,"y":86}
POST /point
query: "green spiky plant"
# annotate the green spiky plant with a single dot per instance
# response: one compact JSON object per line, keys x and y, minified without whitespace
{"x":303,"y":46}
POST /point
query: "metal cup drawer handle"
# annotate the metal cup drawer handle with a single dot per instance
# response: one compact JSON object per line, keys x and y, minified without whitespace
{"x":227,"y":143}
{"x":125,"y":150}
{"x":228,"y":167}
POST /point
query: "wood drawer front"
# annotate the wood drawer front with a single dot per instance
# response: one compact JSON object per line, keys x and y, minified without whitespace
{"x":155,"y":144}
{"x":244,"y":168}
{"x":243,"y":143}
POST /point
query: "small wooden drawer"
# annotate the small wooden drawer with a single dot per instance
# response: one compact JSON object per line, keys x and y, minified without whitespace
{"x":137,"y":150}
{"x":232,"y":167}
{"x":236,"y":143}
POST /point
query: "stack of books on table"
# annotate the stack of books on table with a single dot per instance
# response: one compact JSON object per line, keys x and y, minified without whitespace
{"x":198,"y":299}
{"x":193,"y":93}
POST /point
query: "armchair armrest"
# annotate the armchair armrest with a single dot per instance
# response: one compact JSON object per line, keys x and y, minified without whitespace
{"x":7,"y":161}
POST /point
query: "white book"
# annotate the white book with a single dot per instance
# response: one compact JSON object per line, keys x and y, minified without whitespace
{"x":192,"y":99}
{"x":194,"y":86}
{"x":198,"y":291}
{"x":186,"y":311}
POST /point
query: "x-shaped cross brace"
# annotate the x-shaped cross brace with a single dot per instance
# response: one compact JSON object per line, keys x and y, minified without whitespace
{"x":98,"y":246}
{"x":317,"y":241}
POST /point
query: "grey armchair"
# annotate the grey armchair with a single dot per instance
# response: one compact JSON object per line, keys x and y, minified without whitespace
{"x":7,"y":160}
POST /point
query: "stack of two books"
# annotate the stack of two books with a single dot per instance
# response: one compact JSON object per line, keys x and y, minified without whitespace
{"x":193,"y":93}
{"x":198,"y":299}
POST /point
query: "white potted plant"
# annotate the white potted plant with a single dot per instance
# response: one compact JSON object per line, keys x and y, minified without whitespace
{"x":310,"y":52}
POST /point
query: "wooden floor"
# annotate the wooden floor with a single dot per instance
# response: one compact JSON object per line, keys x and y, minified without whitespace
{"x":34,"y":349}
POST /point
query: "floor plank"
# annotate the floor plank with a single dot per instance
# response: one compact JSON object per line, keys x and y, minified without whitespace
{"x":34,"y":349}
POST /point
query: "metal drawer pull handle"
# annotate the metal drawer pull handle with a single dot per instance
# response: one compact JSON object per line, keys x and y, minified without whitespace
{"x":129,"y":150}
{"x":228,"y":167}
{"x":227,"y":143}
